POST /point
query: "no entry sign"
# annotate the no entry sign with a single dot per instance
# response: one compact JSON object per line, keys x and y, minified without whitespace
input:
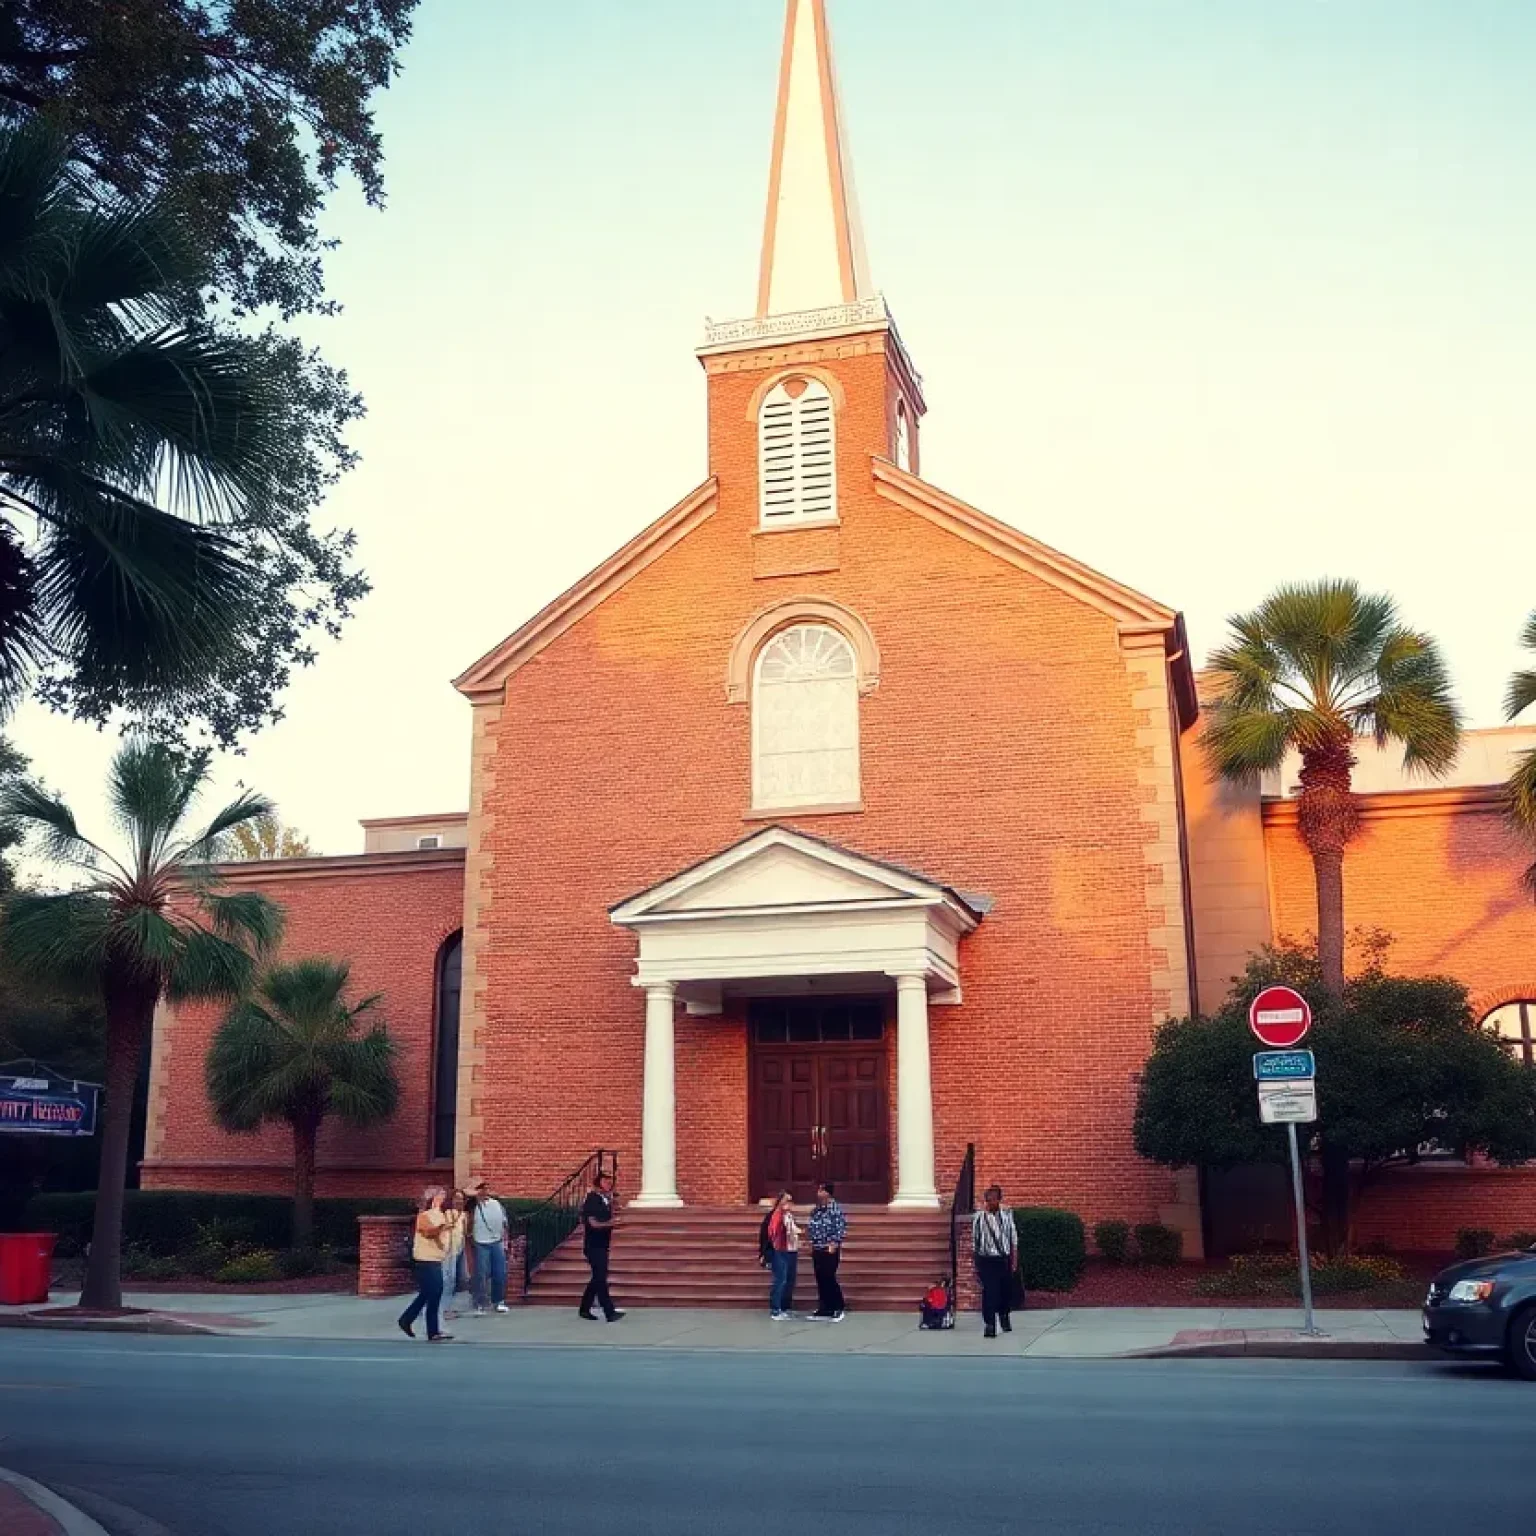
{"x":1280,"y":1017}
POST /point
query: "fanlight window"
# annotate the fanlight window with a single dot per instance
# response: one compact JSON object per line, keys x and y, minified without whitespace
{"x":805,"y":720}
{"x":903,"y":438}
{"x":1515,"y":1025}
{"x":795,"y":454}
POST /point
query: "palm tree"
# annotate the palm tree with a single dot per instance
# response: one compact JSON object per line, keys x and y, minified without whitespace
{"x":132,"y":441}
{"x":1521,"y":788}
{"x":267,"y":838}
{"x":292,"y":1052}
{"x":1312,"y":669}
{"x":152,"y":925}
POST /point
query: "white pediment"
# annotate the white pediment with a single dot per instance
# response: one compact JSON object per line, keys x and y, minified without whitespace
{"x":779,"y":870}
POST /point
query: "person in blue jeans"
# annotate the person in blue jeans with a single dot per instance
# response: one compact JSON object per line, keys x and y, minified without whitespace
{"x":784,"y":1242}
{"x":489,"y":1232}
{"x":428,"y":1245}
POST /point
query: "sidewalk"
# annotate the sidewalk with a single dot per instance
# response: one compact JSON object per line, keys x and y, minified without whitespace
{"x":29,"y":1509}
{"x":1068,"y":1333}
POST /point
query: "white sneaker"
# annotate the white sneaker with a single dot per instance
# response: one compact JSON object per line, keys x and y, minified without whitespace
{"x":501,"y":1306}
{"x":778,"y":1317}
{"x":837,"y":1317}
{"x":479,"y":1311}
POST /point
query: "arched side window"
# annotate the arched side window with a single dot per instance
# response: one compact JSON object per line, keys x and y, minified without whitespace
{"x":903,"y":444}
{"x":796,"y":458}
{"x":445,"y":1048}
{"x":805,"y":720}
{"x":1515,"y":1024}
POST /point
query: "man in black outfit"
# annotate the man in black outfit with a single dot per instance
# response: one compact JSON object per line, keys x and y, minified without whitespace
{"x":597,"y":1235}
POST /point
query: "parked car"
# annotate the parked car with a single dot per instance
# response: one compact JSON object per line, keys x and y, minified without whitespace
{"x":1486,"y":1308}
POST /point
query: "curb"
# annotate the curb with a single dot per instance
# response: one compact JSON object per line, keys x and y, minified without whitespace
{"x":1288,"y":1349}
{"x":150,"y":1324}
{"x":71,"y":1520}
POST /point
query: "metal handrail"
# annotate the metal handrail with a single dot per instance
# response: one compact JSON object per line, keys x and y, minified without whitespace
{"x":549,"y":1223}
{"x":963,"y":1204}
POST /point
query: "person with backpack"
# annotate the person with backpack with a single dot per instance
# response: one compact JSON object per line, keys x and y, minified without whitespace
{"x":489,"y":1233}
{"x":995,"y":1246}
{"x":783,"y":1234}
{"x":428,"y":1246}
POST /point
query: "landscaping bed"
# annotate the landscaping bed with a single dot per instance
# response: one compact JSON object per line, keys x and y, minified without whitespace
{"x":1136,"y":1285}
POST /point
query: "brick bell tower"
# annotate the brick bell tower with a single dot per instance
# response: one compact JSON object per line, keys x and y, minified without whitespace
{"x":817,"y":381}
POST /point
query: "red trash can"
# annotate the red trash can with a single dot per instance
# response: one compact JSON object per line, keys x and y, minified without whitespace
{"x":26,"y":1265}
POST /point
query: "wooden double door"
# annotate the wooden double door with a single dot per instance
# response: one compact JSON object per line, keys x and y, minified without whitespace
{"x":819,"y":1107}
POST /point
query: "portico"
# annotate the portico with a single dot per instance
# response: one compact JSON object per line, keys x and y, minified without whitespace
{"x":781,"y":914}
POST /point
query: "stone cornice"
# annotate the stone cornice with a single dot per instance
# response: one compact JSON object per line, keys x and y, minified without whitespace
{"x":407,"y":861}
{"x":485,"y":681}
{"x":1403,"y":804}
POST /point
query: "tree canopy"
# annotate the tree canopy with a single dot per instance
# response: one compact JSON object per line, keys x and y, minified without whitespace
{"x":265,"y":838}
{"x":240,"y":117}
{"x":1402,"y":1066}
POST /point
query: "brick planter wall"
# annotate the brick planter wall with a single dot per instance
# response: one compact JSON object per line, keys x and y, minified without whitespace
{"x":967,"y":1287}
{"x":381,"y":1266}
{"x":517,"y":1251}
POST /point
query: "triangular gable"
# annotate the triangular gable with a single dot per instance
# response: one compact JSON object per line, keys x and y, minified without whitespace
{"x":780,"y":868}
{"x":488,"y":676}
{"x":1129,"y":609}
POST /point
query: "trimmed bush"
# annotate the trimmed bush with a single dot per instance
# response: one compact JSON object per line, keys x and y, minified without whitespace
{"x":1520,"y":1240}
{"x":1474,"y":1243}
{"x":1053,"y":1247}
{"x":167,"y":1221}
{"x":1279,"y":1275}
{"x":249,"y":1269}
{"x":1157,"y":1244}
{"x":1113,"y":1240}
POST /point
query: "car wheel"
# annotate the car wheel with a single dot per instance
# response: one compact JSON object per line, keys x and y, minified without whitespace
{"x":1521,"y":1349}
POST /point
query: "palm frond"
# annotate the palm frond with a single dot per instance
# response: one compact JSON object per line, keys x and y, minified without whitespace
{"x":61,"y":940}
{"x":207,"y":846}
{"x":60,"y":837}
{"x":1520,"y":793}
{"x":210,"y":967}
{"x":1414,"y":703}
{"x":246,"y":918}
{"x":1242,"y":744}
{"x":364,"y":1087}
{"x":149,"y":787}
{"x":1522,"y":686}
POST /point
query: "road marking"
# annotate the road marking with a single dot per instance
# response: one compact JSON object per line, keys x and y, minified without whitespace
{"x":38,"y":1386}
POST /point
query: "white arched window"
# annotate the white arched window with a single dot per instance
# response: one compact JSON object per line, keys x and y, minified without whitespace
{"x":1515,"y":1025}
{"x":805,"y":720}
{"x":795,"y":444}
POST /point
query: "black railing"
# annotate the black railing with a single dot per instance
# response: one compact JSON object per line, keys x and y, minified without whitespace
{"x":964,"y":1204}
{"x":548,"y":1224}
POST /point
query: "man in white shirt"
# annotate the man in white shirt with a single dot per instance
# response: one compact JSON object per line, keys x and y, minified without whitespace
{"x":489,"y":1232}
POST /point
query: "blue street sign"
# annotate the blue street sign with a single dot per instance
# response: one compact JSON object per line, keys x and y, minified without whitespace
{"x":1281,"y":1066}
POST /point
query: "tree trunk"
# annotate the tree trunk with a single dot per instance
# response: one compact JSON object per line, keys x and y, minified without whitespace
{"x":1328,"y":817}
{"x":305,"y":1132}
{"x":130,"y":1007}
{"x":1336,"y":1194}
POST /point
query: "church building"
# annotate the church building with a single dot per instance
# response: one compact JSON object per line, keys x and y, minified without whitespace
{"x":833,"y":825}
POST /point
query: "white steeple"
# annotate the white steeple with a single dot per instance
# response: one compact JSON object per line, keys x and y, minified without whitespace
{"x":813,"y":242}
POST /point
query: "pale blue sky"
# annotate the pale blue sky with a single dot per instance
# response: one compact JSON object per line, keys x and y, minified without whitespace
{"x":1209,"y":294}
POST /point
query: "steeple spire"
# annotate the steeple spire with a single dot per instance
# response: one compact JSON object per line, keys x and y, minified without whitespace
{"x":813,"y":242}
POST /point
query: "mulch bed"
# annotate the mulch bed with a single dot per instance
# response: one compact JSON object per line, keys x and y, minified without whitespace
{"x":1133,"y":1285}
{"x":68,"y":1273}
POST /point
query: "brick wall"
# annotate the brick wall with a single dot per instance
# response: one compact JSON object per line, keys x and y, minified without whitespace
{"x":1420,"y":1210}
{"x":999,"y":755}
{"x":388,"y":915}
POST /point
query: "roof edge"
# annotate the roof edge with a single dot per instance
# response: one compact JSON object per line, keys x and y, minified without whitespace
{"x":484,"y":680}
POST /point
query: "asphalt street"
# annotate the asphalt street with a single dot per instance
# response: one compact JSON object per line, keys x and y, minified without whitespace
{"x":226,"y":1437}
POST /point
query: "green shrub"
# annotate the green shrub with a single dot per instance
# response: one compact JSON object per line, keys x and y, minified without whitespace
{"x":1157,"y":1244}
{"x":1474,"y":1242}
{"x":166,"y":1221}
{"x":1113,"y":1240}
{"x":140,"y":1264}
{"x":1053,"y":1247}
{"x":1520,"y":1240}
{"x":249,"y":1269}
{"x":1279,"y":1275}
{"x":299,"y":1263}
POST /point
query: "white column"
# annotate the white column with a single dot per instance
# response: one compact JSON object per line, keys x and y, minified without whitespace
{"x":658,"y":1118}
{"x":914,"y":1098}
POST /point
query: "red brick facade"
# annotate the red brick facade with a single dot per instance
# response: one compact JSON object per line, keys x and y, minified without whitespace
{"x":1009,"y":750}
{"x":388,"y":915}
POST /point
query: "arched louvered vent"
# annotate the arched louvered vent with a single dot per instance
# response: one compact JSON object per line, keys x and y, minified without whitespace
{"x":796,"y":454}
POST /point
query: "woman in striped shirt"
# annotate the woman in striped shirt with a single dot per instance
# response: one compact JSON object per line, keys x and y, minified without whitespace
{"x":995,"y":1243}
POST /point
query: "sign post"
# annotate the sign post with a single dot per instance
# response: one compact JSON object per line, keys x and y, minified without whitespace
{"x":1287,"y":1080}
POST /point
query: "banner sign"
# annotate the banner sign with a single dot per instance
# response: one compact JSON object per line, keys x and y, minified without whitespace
{"x":47,"y":1106}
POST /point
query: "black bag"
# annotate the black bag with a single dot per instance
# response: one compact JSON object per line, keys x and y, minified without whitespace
{"x":764,"y":1247}
{"x":1016,"y":1291}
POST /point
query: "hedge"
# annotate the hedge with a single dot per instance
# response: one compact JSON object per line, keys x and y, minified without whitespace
{"x":166,"y":1221}
{"x":1053,"y":1247}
